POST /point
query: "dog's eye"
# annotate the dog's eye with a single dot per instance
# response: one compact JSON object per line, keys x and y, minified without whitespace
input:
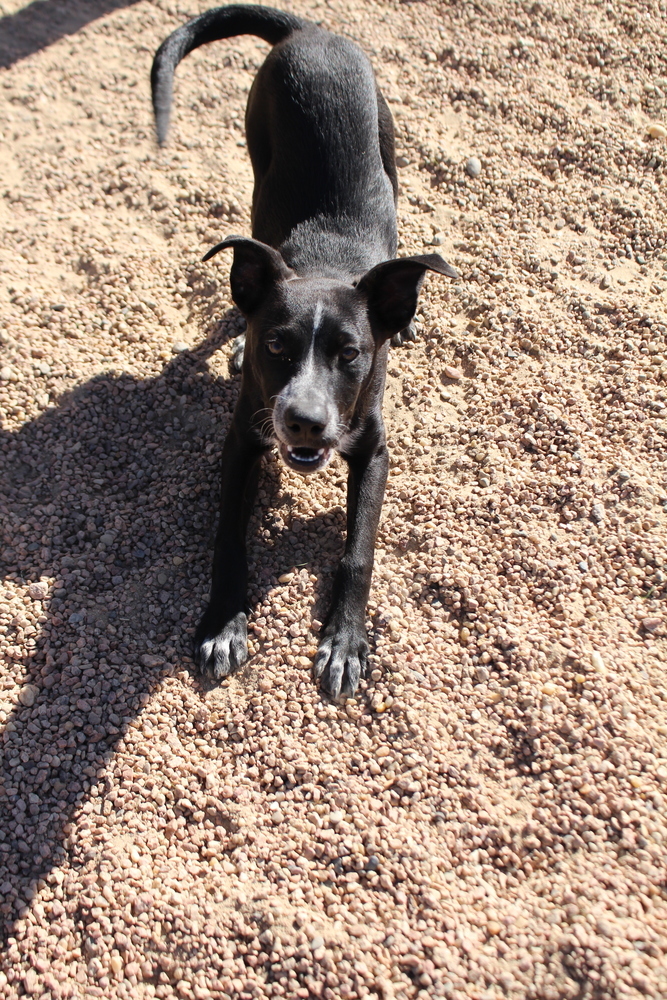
{"x":349,"y":353}
{"x":274,"y":347}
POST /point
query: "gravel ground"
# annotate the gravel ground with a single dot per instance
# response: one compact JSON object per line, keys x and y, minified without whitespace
{"x":487,"y":818}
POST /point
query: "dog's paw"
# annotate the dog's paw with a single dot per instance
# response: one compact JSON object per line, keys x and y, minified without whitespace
{"x":238,"y":350}
{"x":341,"y":659}
{"x":221,"y":652}
{"x":410,"y":333}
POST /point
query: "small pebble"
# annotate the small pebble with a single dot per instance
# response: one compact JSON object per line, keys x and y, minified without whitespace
{"x":151,"y":660}
{"x":28,"y":695}
{"x":30,"y":982}
{"x":453,"y":373}
{"x":178,"y":347}
{"x":116,"y":964}
{"x":597,"y":662}
{"x":651,"y":624}
{"x":473,"y":166}
{"x":657,"y":131}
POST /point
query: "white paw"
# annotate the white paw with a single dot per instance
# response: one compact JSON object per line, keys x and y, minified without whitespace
{"x":341,"y":660}
{"x":224,"y":652}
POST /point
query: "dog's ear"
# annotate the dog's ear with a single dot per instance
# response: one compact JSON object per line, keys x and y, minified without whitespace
{"x":256,"y":269}
{"x":391,"y":290}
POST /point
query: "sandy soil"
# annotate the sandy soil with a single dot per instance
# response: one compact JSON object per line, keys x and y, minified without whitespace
{"x":487,"y":818}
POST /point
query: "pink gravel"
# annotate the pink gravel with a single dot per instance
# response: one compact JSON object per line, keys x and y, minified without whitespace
{"x":486,"y":819}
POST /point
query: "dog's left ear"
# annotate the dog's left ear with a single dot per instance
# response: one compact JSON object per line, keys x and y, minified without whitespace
{"x":391,"y":290}
{"x":256,"y":269}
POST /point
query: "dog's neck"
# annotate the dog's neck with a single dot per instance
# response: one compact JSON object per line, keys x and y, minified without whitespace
{"x":342,"y":249}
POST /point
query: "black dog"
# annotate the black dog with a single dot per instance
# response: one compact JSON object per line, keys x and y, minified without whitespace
{"x":322,"y":299}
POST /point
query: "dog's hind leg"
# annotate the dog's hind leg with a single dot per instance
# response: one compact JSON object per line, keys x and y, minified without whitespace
{"x":388,"y":154}
{"x":387,"y":139}
{"x":410,"y":333}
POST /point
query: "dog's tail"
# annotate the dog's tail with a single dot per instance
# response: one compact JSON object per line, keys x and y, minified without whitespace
{"x":221,"y":22}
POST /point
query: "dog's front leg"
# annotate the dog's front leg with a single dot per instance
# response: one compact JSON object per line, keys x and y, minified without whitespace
{"x":341,"y":657}
{"x":221,"y":640}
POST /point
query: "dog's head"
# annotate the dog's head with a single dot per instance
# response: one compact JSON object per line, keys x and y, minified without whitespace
{"x":312,"y":343}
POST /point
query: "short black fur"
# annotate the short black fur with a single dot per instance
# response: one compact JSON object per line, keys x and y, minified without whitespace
{"x":322,"y":296}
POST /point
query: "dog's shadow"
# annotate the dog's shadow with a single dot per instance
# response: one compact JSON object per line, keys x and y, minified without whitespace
{"x":108,"y":505}
{"x":43,"y":22}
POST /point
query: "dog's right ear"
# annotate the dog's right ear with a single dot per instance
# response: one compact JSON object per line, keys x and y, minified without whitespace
{"x":256,"y":269}
{"x":391,"y":290}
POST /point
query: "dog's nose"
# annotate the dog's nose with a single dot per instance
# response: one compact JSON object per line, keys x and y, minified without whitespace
{"x":306,"y":423}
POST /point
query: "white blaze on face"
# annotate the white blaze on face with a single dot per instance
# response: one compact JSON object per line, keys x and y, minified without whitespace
{"x":317,"y":321}
{"x":309,"y":360}
{"x":303,"y":380}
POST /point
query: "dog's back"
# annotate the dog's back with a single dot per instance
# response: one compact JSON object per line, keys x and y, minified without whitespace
{"x":320,"y":138}
{"x":314,"y":140}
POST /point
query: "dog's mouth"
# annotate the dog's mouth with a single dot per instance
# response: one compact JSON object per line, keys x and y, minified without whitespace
{"x":305,"y":459}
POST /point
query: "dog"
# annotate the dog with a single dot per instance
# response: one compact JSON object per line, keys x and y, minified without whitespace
{"x":322,"y":296}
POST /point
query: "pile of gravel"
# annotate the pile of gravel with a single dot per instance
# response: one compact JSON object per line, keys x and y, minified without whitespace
{"x":486,"y":818}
